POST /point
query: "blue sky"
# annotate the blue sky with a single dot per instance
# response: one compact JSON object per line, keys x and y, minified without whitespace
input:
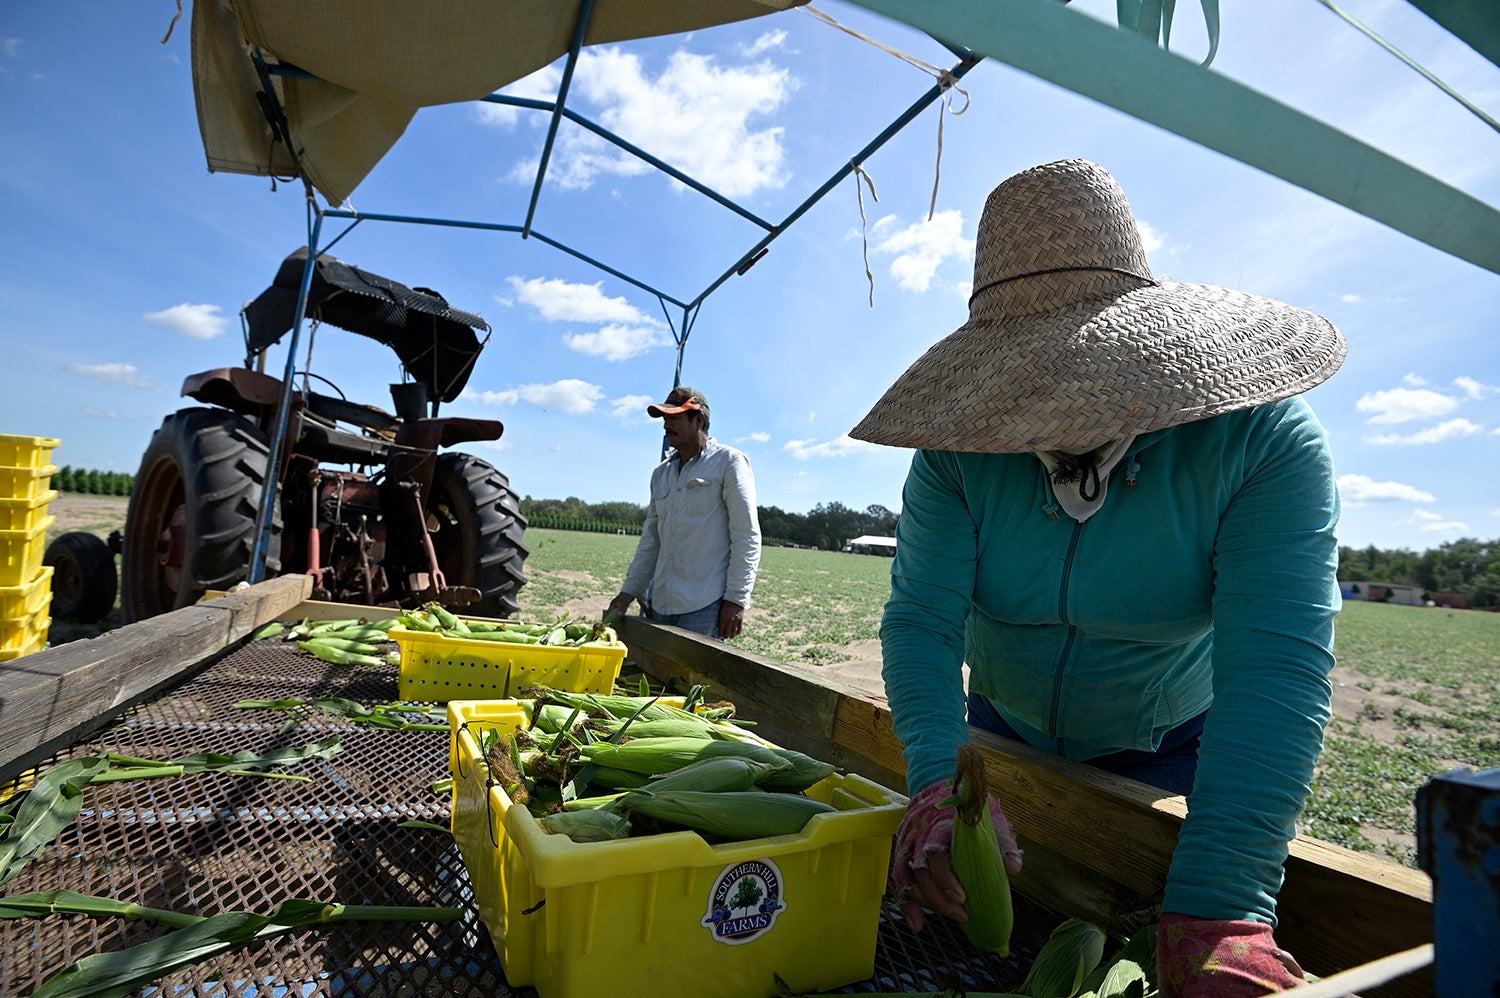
{"x":126,"y":262}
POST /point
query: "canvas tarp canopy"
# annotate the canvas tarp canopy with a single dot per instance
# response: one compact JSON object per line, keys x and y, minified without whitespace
{"x":374,"y":63}
{"x":871,"y":541}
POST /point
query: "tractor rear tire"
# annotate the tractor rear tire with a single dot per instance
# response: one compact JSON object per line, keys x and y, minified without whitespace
{"x":480,"y":540}
{"x":190,"y":525}
{"x":84,"y":579}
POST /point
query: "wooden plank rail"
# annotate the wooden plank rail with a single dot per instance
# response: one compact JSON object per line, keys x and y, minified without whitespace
{"x":57,"y":696}
{"x":1097,"y":846}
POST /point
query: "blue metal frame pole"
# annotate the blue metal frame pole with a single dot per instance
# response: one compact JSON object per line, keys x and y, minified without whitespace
{"x":1458,"y":844}
{"x":265,"y":516}
{"x":585,"y":13}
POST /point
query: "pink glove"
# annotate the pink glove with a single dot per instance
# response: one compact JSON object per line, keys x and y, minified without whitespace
{"x":920,"y":865}
{"x":1204,"y":958}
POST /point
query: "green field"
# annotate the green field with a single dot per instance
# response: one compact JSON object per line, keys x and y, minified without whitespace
{"x":1425,"y":679}
{"x":1420,"y":693}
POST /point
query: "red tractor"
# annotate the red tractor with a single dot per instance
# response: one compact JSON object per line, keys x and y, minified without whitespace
{"x":369,"y":503}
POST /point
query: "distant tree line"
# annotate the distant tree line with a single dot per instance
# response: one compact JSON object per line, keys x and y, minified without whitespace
{"x":1467,"y":566}
{"x":827,"y":527}
{"x":90,"y":482}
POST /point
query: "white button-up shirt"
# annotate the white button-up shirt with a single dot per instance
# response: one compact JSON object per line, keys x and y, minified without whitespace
{"x":701,"y":538}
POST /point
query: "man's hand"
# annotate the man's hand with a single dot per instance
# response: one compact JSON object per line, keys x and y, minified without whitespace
{"x":619,"y":605}
{"x":731,"y":620}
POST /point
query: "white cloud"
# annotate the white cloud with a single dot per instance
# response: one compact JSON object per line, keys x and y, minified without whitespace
{"x":1415,"y":380}
{"x":116,"y":374}
{"x":199,"y":322}
{"x":569,"y":396}
{"x":697,"y":115}
{"x":1397,"y":405}
{"x":541,"y":85}
{"x":920,"y":248}
{"x":10,"y":47}
{"x":1443,"y":526}
{"x":843,"y":446}
{"x":1473,"y":389}
{"x":630,"y":407}
{"x":563,"y":301}
{"x":765,"y":43}
{"x":89,"y":410}
{"x":1358,"y":490}
{"x":615,"y":342}
{"x":1432,"y":435}
{"x":758,"y":437}
{"x":1150,"y":238}
{"x":1350,"y":299}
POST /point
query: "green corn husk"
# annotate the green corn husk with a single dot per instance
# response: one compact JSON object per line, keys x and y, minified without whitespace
{"x":977,"y":860}
{"x":125,"y":972}
{"x":51,"y":805}
{"x":1066,"y":960}
{"x":803,"y":772}
{"x":731,"y":815}
{"x":654,"y":756}
{"x":1131,"y":972}
{"x":588,"y":825}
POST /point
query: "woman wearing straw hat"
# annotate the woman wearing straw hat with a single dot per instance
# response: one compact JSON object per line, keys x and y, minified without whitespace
{"x":1121,"y":517}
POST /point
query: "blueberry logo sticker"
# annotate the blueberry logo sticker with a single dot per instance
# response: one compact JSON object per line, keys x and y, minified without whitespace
{"x":745,"y":900}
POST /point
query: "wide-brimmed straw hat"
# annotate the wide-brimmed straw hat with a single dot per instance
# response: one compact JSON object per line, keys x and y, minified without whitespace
{"x":1072,"y":343}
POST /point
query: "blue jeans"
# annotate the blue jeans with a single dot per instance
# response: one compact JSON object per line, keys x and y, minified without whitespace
{"x":1171,"y":767}
{"x":704,"y":621}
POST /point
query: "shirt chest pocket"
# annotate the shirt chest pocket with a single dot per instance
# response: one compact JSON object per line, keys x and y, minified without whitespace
{"x":699,"y":496}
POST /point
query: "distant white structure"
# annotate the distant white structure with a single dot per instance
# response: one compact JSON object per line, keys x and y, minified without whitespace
{"x":870,"y":544}
{"x":1382,"y":592}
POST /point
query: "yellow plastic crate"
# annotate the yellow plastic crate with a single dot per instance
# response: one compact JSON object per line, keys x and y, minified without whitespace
{"x":26,"y":601}
{"x":21,"y":553}
{"x":23,"y":514}
{"x":25,"y":483}
{"x":436,"y":667}
{"x":26,"y":452}
{"x":637,"y":916}
{"x":24,"y":635}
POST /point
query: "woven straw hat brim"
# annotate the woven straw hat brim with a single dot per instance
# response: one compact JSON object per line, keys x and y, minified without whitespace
{"x":1103,"y":369}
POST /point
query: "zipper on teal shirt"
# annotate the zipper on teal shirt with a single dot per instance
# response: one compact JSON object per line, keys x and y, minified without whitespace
{"x":1067,"y":648}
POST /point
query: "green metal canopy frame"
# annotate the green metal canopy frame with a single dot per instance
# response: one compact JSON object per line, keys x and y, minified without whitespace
{"x":1128,"y":72}
{"x":1122,"y":67}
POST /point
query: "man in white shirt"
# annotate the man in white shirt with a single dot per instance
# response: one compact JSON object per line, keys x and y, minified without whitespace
{"x":700,"y":545}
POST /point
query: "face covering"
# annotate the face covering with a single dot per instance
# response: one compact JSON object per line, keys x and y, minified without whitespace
{"x":1080,"y":477}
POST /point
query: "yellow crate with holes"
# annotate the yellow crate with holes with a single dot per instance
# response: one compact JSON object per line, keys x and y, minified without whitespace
{"x":438,"y":667}
{"x":21,"y":553}
{"x":27,"y":600}
{"x":18,"y":451}
{"x":24,"y":635}
{"x":23,"y":514}
{"x":25,"y":483}
{"x":650,"y":916}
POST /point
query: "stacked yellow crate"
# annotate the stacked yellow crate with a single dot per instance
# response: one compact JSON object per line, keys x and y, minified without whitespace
{"x":25,"y":583}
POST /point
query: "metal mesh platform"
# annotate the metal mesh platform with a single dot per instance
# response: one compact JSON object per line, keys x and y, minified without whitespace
{"x":217,"y":842}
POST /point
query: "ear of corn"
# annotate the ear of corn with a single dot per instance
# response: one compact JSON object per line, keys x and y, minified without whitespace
{"x":591,"y":825}
{"x":1067,"y":958}
{"x":803,"y":772}
{"x":977,"y":860}
{"x":654,"y":756}
{"x":730,"y":815}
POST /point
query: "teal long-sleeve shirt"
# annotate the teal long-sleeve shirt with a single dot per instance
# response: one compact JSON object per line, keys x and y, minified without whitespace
{"x":1206,"y":581}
